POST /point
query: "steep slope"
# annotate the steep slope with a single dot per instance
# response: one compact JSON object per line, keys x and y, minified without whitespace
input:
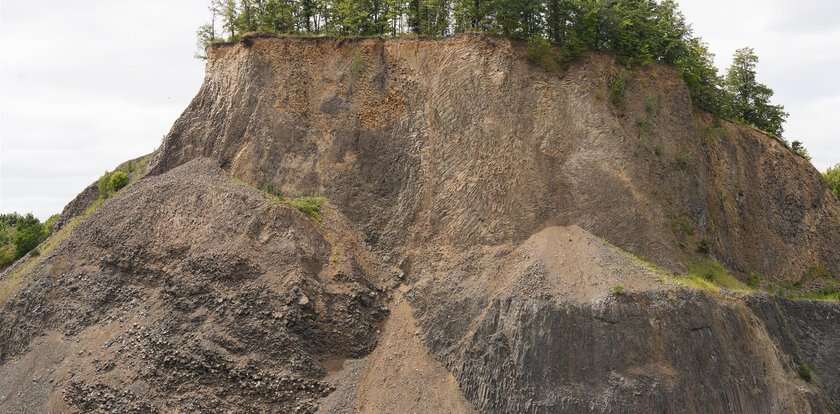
{"x":463,"y":142}
{"x":498,"y":211}
{"x":189,"y":292}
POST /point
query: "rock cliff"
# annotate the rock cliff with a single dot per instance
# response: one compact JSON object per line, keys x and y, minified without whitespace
{"x":497,"y":239}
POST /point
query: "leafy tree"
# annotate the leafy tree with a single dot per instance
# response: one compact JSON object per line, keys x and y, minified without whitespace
{"x":28,"y":235}
{"x":798,"y":147}
{"x":206,"y":33}
{"x":832,"y":178}
{"x":18,"y":235}
{"x":701,"y":76}
{"x":750,"y":99}
{"x":229,"y":12}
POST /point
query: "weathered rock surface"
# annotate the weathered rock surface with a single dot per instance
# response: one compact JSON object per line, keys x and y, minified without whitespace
{"x":190,"y":292}
{"x":495,"y":209}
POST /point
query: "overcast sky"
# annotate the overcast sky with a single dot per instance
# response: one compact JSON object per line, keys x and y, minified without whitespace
{"x":85,"y":85}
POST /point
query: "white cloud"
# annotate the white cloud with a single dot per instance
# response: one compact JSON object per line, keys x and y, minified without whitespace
{"x":797,"y":42}
{"x":85,"y":86}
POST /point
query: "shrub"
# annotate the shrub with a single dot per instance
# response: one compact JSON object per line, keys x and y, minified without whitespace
{"x":806,"y":372}
{"x":7,"y":255}
{"x":118,"y":180}
{"x":617,"y":86}
{"x":832,"y":178}
{"x":543,"y":54}
{"x":111,"y":182}
{"x":754,"y":280}
{"x":799,"y":149}
{"x":617,"y":290}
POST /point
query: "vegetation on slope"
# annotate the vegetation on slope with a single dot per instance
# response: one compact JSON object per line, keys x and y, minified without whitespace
{"x":832,"y":178}
{"x":309,"y":205}
{"x":20,"y":234}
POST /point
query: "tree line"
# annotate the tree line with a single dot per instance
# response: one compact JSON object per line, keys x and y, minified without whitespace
{"x":636,"y":32}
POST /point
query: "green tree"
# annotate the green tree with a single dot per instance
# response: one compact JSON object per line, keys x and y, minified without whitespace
{"x":206,"y":34}
{"x":798,"y":147}
{"x":29,"y":233}
{"x":832,"y":178}
{"x":750,"y":99}
{"x":247,"y":16}
{"x":276,"y":16}
{"x":701,"y":76}
{"x":228,"y":11}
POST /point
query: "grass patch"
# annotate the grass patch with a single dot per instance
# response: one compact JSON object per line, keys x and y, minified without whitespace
{"x":617,"y":290}
{"x":825,"y":295}
{"x":311,"y":206}
{"x":696,"y":282}
{"x":713,"y":272}
{"x":806,"y":372}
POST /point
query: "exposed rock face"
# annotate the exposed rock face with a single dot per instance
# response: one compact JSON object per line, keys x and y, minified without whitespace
{"x":489,"y":204}
{"x":464,"y":142}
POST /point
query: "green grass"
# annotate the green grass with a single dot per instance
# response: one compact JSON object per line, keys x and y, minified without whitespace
{"x":713,"y":272}
{"x":311,"y":206}
{"x":806,"y":372}
{"x":825,"y":295}
{"x":696,"y":282}
{"x":708,"y":274}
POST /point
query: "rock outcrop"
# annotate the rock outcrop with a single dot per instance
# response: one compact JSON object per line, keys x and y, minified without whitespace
{"x":480,"y":251}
